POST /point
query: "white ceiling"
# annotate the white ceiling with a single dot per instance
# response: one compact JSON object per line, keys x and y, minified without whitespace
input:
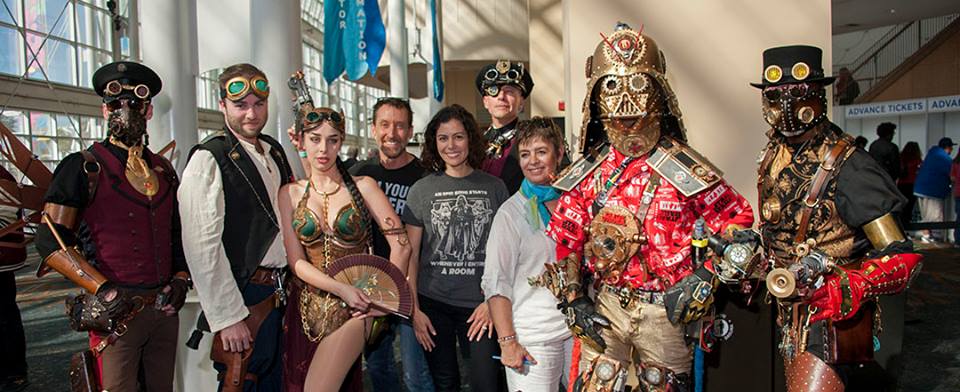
{"x":853,"y":15}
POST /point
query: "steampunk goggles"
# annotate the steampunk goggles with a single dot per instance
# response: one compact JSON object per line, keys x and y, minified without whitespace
{"x":238,"y":87}
{"x":317,"y":116}
{"x":774,"y":93}
{"x":115,"y":88}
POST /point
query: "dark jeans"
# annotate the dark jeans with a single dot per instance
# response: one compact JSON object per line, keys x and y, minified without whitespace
{"x":13,"y":361}
{"x":906,"y":214}
{"x":380,"y":360}
{"x":266,"y":359}
{"x":485,"y":373}
{"x":956,"y":230}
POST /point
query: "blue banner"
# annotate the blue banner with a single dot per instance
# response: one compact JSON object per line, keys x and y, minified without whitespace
{"x":375,"y":35}
{"x":334,"y":24}
{"x":364,"y":38}
{"x":437,"y":61}
{"x":354,"y":44}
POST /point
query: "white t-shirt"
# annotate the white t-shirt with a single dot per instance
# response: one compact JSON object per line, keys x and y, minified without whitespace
{"x":516,"y":251}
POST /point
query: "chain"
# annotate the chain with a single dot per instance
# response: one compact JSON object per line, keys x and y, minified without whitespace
{"x":323,"y":216}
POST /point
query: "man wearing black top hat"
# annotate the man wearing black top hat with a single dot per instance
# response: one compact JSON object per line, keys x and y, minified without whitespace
{"x":116,"y":201}
{"x":505,"y":86}
{"x":828,"y":228}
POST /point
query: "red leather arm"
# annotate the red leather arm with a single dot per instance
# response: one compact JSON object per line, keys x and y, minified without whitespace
{"x":844,"y":291}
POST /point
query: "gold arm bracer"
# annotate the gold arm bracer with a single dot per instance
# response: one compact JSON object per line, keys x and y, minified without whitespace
{"x":883,"y":231}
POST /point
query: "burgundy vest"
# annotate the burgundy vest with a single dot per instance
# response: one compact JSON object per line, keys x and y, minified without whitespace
{"x":131,"y":233}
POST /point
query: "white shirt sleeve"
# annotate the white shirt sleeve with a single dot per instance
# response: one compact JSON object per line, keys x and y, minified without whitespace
{"x":503,"y":252}
{"x":201,"y":209}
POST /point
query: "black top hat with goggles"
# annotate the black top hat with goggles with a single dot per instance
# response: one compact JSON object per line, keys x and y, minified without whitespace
{"x":127,"y":80}
{"x":504,"y":72}
{"x":793,"y":64}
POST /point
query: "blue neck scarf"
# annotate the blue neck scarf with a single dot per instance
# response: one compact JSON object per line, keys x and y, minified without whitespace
{"x":538,"y":195}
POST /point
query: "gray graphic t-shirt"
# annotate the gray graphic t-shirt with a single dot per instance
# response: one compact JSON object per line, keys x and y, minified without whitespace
{"x":456,"y":214}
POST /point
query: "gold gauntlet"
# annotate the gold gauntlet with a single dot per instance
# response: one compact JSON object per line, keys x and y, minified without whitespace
{"x":561,"y":278}
{"x":883,"y":231}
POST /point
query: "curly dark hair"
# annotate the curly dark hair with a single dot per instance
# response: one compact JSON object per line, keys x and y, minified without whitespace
{"x":430,"y":157}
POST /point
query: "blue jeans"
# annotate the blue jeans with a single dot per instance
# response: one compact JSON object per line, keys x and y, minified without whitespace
{"x":380,"y":360}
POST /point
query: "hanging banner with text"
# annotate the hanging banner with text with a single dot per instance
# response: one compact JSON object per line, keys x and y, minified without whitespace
{"x":356,"y":39}
{"x":950,"y":103}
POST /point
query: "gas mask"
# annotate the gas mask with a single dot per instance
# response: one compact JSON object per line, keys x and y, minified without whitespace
{"x":630,"y":109}
{"x":792,"y":109}
{"x":127,"y":121}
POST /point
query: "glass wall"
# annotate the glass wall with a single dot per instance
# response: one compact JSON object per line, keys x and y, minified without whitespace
{"x":66,"y":40}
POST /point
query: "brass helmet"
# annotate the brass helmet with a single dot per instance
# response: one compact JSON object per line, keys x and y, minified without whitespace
{"x":629,"y":101}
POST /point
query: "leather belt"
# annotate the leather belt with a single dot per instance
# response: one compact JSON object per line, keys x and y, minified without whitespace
{"x":628,"y":295}
{"x":264,"y":276}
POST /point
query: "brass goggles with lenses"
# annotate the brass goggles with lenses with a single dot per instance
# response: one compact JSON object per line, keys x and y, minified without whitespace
{"x":237,"y":88}
{"x":502,"y":73}
{"x":115,"y":88}
{"x":316,"y":116}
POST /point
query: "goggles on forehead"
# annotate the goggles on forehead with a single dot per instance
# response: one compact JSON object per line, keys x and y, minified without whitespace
{"x":795,"y":91}
{"x":316,"y":116}
{"x":502,"y":74}
{"x":238,"y":87}
{"x":115,"y":88}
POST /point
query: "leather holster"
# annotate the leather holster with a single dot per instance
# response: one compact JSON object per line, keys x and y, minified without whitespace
{"x":236,"y":373}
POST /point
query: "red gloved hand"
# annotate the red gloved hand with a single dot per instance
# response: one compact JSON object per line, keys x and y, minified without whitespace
{"x":829,"y":298}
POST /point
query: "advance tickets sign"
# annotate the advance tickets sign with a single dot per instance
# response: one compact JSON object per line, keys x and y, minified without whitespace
{"x":950,"y":103}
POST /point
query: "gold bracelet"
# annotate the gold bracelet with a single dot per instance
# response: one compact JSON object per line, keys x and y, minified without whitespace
{"x":504,"y":339}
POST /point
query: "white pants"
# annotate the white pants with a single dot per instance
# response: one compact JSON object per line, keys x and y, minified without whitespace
{"x":552,"y":368}
{"x":931,"y":210}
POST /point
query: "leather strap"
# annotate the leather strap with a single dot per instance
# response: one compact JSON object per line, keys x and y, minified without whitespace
{"x":92,"y":167}
{"x":826,"y":171}
{"x":810,"y":374}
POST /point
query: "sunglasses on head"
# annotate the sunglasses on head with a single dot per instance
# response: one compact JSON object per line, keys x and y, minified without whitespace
{"x":115,"y":88}
{"x":794,"y":90}
{"x":238,"y":87}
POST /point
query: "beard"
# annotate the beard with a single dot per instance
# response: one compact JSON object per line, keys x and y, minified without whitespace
{"x":128,"y":126}
{"x":392,"y":152}
{"x":237,"y":126}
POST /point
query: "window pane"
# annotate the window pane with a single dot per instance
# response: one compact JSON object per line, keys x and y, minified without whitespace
{"x":57,"y":57}
{"x":41,"y":15}
{"x":14,"y":121}
{"x":90,"y":61}
{"x":67,"y":126}
{"x":41,"y":124}
{"x":67,"y":146}
{"x":93,"y":27}
{"x":91,"y":128}
{"x":14,"y":6}
{"x":45,"y":148}
{"x":11,"y":45}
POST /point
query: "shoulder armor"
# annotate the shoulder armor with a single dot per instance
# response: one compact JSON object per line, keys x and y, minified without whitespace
{"x":683,"y":167}
{"x":577,"y":171}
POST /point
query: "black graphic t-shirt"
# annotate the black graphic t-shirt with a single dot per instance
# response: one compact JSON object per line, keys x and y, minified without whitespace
{"x":396,"y":184}
{"x":456,"y":214}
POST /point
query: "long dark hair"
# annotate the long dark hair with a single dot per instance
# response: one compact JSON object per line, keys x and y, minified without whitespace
{"x":430,"y":157}
{"x":911,"y":152}
{"x":355,"y":195}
